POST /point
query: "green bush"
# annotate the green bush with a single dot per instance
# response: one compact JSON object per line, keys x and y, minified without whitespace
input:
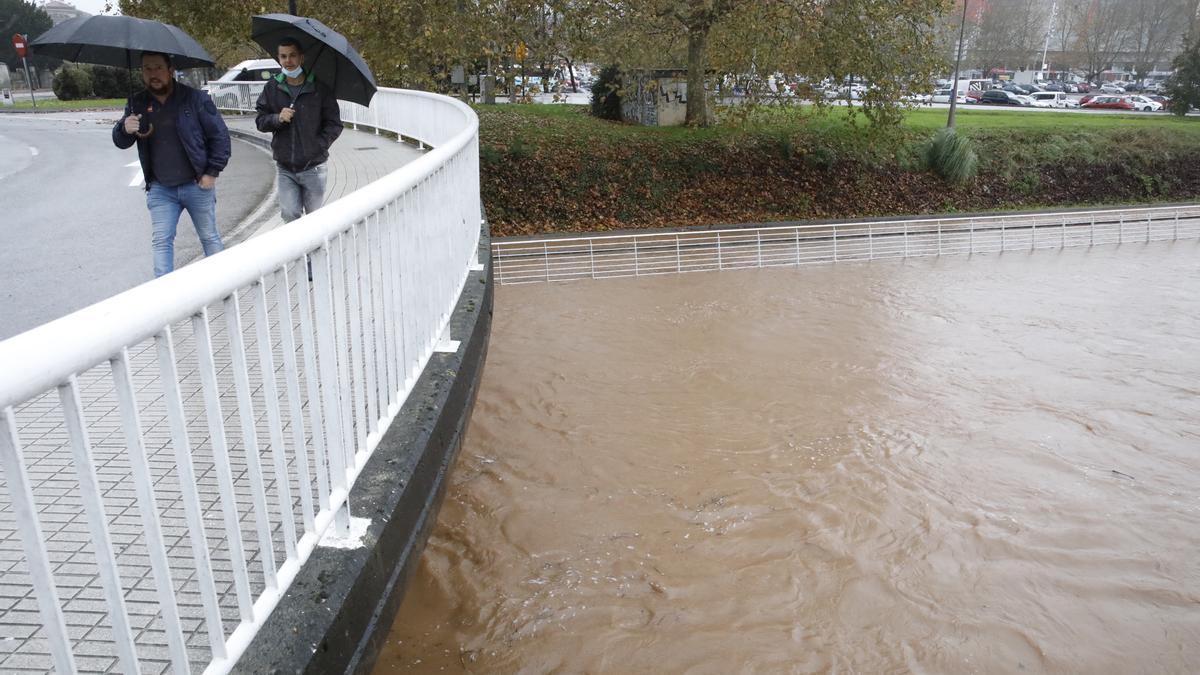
{"x":110,"y":82}
{"x":606,"y":94}
{"x":72,"y":83}
{"x":951,"y":156}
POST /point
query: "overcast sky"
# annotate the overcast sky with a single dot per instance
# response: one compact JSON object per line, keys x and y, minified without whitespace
{"x":89,"y":6}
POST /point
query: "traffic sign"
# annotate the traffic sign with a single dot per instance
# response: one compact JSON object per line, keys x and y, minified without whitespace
{"x":20,"y":45}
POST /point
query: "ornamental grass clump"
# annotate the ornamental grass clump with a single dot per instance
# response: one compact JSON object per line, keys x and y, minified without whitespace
{"x":951,"y":156}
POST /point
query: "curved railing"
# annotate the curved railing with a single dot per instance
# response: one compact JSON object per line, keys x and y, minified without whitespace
{"x":172,"y":455}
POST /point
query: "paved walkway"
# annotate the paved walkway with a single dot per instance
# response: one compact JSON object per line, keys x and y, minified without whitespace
{"x":356,"y":159}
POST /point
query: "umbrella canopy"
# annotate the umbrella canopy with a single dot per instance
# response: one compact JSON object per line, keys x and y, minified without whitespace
{"x":327,"y":53}
{"x":119,"y":41}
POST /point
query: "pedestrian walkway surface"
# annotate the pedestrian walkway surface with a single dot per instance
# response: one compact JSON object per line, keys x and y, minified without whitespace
{"x":356,"y":159}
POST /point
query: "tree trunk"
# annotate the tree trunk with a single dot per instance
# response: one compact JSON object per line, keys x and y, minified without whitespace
{"x":697,"y":101}
{"x":571,"y":73}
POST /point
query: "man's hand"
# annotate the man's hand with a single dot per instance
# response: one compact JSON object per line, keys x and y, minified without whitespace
{"x":132,"y":124}
{"x":207,"y":182}
{"x":286,"y":114}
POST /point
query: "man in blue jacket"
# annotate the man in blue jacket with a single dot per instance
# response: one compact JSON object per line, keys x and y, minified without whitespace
{"x":183,"y":145}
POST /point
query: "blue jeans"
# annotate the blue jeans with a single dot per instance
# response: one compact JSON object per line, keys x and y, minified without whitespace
{"x":166,"y":204}
{"x":300,"y":192}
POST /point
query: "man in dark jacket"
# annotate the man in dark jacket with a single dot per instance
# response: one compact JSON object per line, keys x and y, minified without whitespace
{"x":183,"y":145}
{"x":303,"y":117}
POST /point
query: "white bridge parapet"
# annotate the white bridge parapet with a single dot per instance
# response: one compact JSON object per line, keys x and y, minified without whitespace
{"x":172,"y":455}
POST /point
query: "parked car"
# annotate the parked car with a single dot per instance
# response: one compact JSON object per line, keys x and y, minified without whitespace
{"x":1145,"y":103}
{"x":1110,"y":103}
{"x":999,"y":97}
{"x":227,"y":91}
{"x":973,"y":95}
{"x":1087,"y":99}
{"x":1053,"y":99}
{"x":1166,"y":102}
{"x":1111,"y":88}
{"x":943,"y":96}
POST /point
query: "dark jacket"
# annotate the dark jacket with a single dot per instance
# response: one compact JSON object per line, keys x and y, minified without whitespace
{"x":200,"y":127}
{"x":304,"y":142}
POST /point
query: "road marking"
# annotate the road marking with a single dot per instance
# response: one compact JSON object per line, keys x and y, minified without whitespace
{"x":33,"y":151}
{"x":138,"y":178}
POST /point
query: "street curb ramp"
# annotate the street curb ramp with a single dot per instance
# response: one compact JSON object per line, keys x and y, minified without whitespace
{"x":336,"y":615}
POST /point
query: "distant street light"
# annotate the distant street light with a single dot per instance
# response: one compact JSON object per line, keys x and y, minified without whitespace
{"x":957,"y":60}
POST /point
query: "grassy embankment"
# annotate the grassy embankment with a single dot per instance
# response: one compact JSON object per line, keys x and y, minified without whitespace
{"x":53,"y":105}
{"x":554,"y":168}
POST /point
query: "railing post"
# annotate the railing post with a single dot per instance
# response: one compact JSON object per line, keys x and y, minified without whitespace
{"x":1092,"y":242}
{"x":1062,"y":241}
{"x":93,"y":506}
{"x":32,"y":540}
{"x":906,"y":239}
{"x":1003,"y":241}
{"x":1176,"y":225}
{"x":796,"y":231}
{"x":1121,"y":230}
{"x":870,"y":242}
{"x":678,"y":258}
{"x":143,"y":483}
{"x":635,"y":257}
{"x":720,"y":258}
{"x":759,"y":233}
{"x":330,"y":387}
{"x":1147,"y":227}
{"x":546,"y":260}
{"x":835,"y":257}
{"x":939,"y":238}
{"x":592,"y":257}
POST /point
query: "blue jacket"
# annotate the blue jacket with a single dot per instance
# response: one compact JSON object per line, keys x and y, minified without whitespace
{"x":200,"y":127}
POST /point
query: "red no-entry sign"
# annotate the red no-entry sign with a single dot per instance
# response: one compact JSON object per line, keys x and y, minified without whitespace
{"x":20,"y":45}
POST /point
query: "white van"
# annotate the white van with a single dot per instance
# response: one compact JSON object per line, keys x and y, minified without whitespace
{"x":240,"y":86}
{"x":1053,"y":99}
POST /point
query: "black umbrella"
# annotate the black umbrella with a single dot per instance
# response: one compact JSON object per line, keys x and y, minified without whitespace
{"x":327,"y":54}
{"x":119,"y":41}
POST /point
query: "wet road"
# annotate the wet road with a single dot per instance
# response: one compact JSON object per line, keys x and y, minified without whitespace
{"x":984,"y":464}
{"x":73,"y":230}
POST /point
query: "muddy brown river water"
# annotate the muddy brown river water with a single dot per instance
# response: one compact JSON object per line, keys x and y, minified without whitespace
{"x":956,"y":465}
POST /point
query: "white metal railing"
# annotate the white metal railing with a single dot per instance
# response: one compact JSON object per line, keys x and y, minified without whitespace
{"x":171,"y":456}
{"x":625,"y":255}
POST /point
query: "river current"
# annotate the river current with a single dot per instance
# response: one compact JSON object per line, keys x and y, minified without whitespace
{"x":985,"y":464}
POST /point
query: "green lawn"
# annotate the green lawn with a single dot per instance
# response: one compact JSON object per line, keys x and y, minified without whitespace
{"x":23,"y":103}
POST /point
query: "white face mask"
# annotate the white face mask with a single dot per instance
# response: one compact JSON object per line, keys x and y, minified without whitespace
{"x":294,"y":73}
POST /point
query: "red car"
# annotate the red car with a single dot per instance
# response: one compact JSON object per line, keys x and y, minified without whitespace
{"x":1109,"y":103}
{"x":1086,"y":99}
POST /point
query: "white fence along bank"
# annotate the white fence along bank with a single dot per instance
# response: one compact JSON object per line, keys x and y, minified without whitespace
{"x":171,"y":456}
{"x":568,"y":258}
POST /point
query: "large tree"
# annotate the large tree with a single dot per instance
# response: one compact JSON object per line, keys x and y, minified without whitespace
{"x":1155,"y":29}
{"x":1101,"y":32}
{"x":1183,"y":87}
{"x":1011,"y":34}
{"x":889,"y":43}
{"x":19,"y":16}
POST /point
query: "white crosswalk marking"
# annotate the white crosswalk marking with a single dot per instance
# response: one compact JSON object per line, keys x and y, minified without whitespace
{"x":137,"y":179}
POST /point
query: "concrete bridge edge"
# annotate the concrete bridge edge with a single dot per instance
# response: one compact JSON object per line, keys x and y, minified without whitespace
{"x":337,"y":613}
